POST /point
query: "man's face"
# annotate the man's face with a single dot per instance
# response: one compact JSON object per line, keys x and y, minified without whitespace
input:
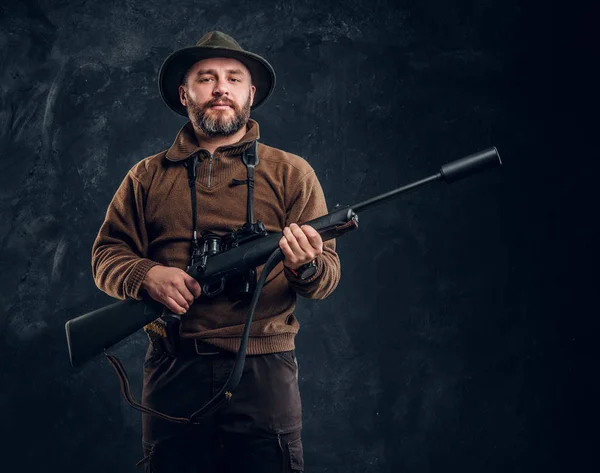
{"x":218,"y":94}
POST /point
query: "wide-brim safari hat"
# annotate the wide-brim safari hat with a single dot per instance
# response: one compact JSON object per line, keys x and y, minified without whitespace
{"x":213,"y":44}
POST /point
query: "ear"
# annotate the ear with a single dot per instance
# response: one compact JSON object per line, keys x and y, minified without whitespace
{"x":182,"y":96}
{"x":252,"y":92}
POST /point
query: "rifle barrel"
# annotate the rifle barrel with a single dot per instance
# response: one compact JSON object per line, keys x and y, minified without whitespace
{"x":449,"y":172}
{"x":391,"y":194}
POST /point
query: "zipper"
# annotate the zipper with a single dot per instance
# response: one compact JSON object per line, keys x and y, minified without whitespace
{"x":210,"y":160}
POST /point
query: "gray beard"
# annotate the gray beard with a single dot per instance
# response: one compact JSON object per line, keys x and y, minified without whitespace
{"x":213,"y":126}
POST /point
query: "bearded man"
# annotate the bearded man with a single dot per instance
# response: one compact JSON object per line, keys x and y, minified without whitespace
{"x":146,"y":241}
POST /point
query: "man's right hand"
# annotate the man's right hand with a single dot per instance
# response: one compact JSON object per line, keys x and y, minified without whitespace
{"x":172,"y":287}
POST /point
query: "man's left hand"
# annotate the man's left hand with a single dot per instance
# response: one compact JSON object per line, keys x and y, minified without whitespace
{"x":300,"y":245}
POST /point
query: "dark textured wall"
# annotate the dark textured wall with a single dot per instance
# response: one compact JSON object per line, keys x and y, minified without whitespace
{"x":443,"y":349}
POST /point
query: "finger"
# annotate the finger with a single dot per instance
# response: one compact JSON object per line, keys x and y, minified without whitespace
{"x":193,"y":286}
{"x":313,"y":237}
{"x":287,"y":251}
{"x":293,"y":243}
{"x":174,"y":306}
{"x":185,"y":292}
{"x":301,"y":239}
{"x":179,"y":299}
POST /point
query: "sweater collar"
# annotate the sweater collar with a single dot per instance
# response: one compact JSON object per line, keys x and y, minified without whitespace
{"x":185,"y":143}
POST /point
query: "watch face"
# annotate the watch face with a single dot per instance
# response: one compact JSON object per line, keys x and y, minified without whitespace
{"x":309,"y":271}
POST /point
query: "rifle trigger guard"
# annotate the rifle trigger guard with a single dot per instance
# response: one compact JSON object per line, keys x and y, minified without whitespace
{"x":206,"y":289}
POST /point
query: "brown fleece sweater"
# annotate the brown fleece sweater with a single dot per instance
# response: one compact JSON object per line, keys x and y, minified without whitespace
{"x":149,"y":222}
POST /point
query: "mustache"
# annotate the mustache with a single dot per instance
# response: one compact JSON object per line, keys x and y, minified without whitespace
{"x":221,"y":101}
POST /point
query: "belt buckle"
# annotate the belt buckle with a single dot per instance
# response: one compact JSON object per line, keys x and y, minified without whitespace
{"x":198,"y":352}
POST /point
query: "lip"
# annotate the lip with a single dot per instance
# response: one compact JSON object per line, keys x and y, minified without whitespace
{"x":220,"y":107}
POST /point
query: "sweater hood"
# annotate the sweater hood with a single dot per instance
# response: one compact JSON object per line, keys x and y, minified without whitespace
{"x":186,"y":144}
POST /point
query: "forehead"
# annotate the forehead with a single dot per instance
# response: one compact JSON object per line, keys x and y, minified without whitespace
{"x":218,"y":64}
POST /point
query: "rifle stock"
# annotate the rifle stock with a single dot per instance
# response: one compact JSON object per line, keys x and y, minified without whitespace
{"x":91,"y":333}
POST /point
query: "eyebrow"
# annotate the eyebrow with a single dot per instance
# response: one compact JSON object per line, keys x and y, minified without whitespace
{"x":214,"y":72}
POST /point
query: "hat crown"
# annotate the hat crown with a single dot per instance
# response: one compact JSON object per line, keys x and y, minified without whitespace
{"x":218,"y":39}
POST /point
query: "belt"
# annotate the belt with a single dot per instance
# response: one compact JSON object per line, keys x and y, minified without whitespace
{"x":170,"y":341}
{"x":202,"y":348}
{"x":189,"y":346}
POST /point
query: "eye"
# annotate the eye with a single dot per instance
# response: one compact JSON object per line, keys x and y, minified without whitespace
{"x":205,"y":79}
{"x":235,"y":79}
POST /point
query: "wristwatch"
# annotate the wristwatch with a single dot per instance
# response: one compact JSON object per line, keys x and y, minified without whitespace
{"x":305,"y":271}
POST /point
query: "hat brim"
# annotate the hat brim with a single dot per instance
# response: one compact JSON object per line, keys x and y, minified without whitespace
{"x":177,"y":64}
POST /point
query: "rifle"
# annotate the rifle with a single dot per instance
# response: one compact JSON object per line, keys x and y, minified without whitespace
{"x":90,"y":334}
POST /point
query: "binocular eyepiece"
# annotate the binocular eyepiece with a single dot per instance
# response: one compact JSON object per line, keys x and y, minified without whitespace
{"x":211,"y":244}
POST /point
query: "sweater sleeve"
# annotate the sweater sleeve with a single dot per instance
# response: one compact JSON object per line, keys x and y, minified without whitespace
{"x":308,"y":203}
{"x":119,"y":263}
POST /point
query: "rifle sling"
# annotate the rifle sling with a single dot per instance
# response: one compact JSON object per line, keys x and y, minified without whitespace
{"x":226,"y":392}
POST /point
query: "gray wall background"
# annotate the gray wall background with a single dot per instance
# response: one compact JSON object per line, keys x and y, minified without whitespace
{"x":450,"y":343}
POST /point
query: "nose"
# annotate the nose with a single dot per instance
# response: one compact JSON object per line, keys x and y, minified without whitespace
{"x":220,"y":88}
